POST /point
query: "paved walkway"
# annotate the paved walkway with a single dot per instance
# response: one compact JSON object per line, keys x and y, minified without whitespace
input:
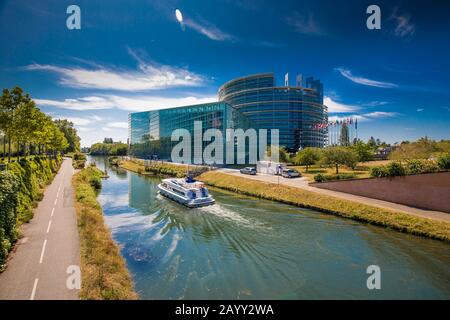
{"x":38,"y":267}
{"x":302,"y":183}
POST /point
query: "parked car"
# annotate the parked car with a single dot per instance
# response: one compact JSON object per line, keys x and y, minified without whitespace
{"x":290,"y":173}
{"x":248,"y":170}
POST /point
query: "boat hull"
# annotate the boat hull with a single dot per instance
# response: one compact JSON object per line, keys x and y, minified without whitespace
{"x":190,"y":203}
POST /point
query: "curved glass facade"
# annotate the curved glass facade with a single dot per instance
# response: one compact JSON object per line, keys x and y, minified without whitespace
{"x":292,"y":110}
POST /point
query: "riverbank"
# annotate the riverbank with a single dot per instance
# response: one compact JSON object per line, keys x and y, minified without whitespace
{"x":160,"y":168}
{"x":22,"y":184}
{"x":104,"y":273}
{"x":348,"y":209}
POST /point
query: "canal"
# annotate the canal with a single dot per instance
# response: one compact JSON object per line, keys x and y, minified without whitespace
{"x":247,"y":248}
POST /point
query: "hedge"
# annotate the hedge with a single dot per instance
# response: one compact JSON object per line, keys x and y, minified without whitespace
{"x":20,"y":188}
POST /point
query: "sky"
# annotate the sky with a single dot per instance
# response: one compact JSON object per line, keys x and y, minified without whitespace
{"x":136,"y":56}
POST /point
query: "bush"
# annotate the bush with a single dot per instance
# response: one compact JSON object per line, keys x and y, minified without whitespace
{"x":443,"y":161}
{"x":395,"y":169}
{"x":96,"y":182}
{"x":9,"y":185}
{"x":79,"y":156}
{"x":379,"y":172}
{"x":20,"y":188}
{"x":415,"y":166}
{"x":333,"y":177}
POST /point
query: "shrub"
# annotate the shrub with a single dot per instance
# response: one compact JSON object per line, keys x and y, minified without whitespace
{"x":20,"y":188}
{"x":319,"y":178}
{"x":443,"y":161}
{"x":9,"y":185}
{"x":333,"y":177}
{"x":379,"y":172}
{"x":415,"y":166}
{"x":395,"y":169}
{"x":79,"y":156}
{"x":96,"y":182}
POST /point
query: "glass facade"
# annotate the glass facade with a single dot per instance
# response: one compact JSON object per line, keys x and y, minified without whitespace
{"x":150,"y":132}
{"x":292,"y":110}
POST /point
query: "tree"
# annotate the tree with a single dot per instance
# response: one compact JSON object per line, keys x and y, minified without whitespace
{"x":336,"y":156}
{"x":345,"y":135}
{"x":9,"y":103}
{"x":363,"y":150}
{"x":70,"y":133}
{"x":307,"y":157}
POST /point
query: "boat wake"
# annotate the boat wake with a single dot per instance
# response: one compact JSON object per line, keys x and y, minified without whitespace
{"x":232,"y":216}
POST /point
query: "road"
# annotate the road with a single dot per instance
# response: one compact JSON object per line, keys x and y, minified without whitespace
{"x":37,"y":268}
{"x":302,"y":183}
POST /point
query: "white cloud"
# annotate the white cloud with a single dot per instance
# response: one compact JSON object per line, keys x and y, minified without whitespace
{"x":304,"y":24}
{"x":365,"y":81}
{"x":136,"y":103}
{"x":366,"y":116}
{"x":337,"y":107}
{"x":119,"y":125}
{"x":208,"y":29}
{"x":419,"y":110}
{"x":149,"y":76}
{"x":381,"y":114}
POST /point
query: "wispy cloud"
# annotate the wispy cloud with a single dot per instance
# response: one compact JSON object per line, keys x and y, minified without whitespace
{"x":304,"y":24}
{"x":404,"y":27}
{"x":419,"y":110}
{"x":149,"y":76}
{"x":366,"y":116}
{"x":364,"y":81}
{"x":135,"y":103}
{"x":337,"y":107}
{"x":208,"y":29}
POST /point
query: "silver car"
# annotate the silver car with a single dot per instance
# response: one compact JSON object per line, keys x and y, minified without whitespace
{"x":290,"y":173}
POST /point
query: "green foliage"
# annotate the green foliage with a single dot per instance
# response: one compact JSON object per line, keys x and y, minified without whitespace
{"x":70,"y":133}
{"x":379,"y":172}
{"x":333,"y":177}
{"x":424,"y":148}
{"x":395,"y":168}
{"x":443,"y":161}
{"x":414,"y":166}
{"x":110,"y":148}
{"x":8,"y":214}
{"x":363,"y":150}
{"x":27,"y":129}
{"x":307,"y":157}
{"x":20,"y":188}
{"x":336,"y":156}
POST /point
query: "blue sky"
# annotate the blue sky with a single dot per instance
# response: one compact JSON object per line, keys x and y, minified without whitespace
{"x":135,"y":56}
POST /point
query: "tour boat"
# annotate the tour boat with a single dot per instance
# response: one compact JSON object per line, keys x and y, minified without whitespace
{"x":186,"y":191}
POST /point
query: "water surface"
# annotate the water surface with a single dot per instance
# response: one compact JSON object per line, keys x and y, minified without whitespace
{"x":246,"y":248}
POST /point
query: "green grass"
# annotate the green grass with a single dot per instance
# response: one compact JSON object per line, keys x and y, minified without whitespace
{"x":160,"y":168}
{"x":104,"y":272}
{"x":348,"y":209}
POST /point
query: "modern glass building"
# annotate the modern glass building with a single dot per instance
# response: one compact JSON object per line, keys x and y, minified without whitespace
{"x":294,"y":110}
{"x":150,"y":132}
{"x":250,"y":102}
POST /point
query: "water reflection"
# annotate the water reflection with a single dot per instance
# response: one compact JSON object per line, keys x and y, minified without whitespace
{"x":244,"y":248}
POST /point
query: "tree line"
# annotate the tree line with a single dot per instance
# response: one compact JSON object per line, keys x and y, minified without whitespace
{"x":26,"y":130}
